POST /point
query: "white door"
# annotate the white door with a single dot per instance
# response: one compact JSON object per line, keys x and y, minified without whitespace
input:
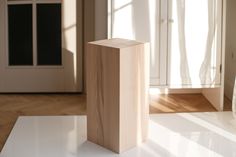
{"x":185,"y":37}
{"x":38,"y":46}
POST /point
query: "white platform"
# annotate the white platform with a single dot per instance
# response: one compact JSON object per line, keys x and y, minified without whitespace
{"x":170,"y":135}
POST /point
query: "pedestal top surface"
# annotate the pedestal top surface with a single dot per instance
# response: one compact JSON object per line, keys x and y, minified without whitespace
{"x":117,"y":43}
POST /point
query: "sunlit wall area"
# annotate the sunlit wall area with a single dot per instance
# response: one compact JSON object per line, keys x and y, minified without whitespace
{"x":69,"y":45}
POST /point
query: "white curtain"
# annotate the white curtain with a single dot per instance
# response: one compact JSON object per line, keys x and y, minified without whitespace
{"x":206,"y":67}
{"x":184,"y":68}
{"x":193,"y":43}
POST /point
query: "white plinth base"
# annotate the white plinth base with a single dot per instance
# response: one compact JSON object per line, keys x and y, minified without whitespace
{"x":170,"y":135}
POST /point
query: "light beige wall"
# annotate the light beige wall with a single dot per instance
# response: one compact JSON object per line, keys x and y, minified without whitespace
{"x":80,"y":40}
{"x":95,"y":19}
{"x":230,"y":54}
{"x":89,"y":20}
{"x":2,"y":39}
{"x":88,"y":31}
{"x":101,"y":19}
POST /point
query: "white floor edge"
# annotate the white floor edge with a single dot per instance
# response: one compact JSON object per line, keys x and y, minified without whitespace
{"x":170,"y":135}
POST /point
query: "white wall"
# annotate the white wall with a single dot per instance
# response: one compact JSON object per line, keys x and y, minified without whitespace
{"x":230,"y":54}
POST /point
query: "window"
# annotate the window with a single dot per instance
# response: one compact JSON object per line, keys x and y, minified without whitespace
{"x":34,"y":33}
{"x":49,"y":34}
{"x":20,"y":34}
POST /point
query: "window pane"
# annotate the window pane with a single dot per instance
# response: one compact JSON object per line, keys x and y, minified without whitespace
{"x":49,"y":34}
{"x":20,"y":34}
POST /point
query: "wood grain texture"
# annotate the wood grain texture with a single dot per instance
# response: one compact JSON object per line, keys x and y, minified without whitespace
{"x":117,"y":93}
{"x":172,"y":103}
{"x":134,"y":85}
{"x":103,"y":110}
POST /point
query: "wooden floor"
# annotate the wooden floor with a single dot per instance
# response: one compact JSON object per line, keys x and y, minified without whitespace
{"x":172,"y":103}
{"x":13,"y":106}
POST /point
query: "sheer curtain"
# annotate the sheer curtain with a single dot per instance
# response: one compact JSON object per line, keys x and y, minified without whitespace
{"x":184,"y":68}
{"x":206,"y":67}
{"x":193,"y":42}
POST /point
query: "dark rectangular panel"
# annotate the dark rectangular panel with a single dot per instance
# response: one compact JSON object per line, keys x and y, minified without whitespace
{"x":49,"y":34}
{"x":20,"y":34}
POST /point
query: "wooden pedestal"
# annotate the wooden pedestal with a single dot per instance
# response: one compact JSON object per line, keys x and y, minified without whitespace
{"x":117,"y":78}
